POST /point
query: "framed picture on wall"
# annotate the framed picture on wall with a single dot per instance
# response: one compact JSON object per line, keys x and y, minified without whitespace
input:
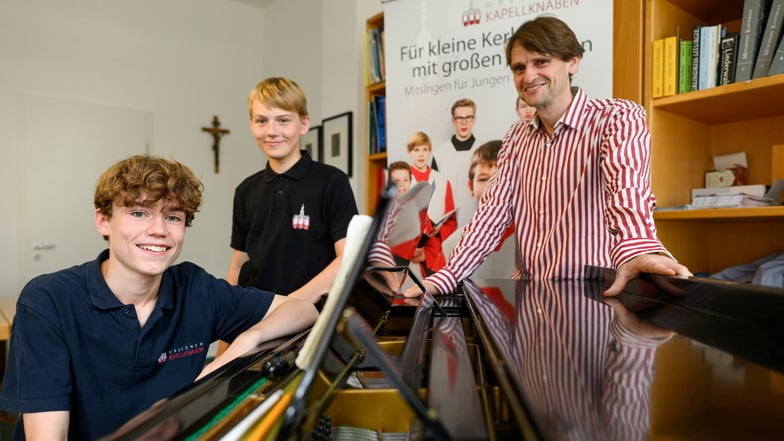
{"x":337,"y":138}
{"x":311,"y":142}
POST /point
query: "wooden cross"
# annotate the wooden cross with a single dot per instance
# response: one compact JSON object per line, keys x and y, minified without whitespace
{"x":217,"y":133}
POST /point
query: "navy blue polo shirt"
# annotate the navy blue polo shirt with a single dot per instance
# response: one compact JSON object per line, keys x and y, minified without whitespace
{"x":74,"y":346}
{"x":288,"y":223}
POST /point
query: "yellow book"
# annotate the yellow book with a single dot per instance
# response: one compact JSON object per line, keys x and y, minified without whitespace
{"x":670,"y":68}
{"x":657,"y":77}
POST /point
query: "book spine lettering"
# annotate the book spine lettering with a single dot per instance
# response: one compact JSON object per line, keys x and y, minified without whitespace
{"x":670,"y":66}
{"x":751,"y":23}
{"x":727,"y":61}
{"x":684,"y":66}
{"x":705,"y":48}
{"x":777,"y":65}
{"x":695,"y":58}
{"x":658,"y":69}
{"x":770,"y":38}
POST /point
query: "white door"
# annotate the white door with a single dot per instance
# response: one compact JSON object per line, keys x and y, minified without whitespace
{"x":63,"y":147}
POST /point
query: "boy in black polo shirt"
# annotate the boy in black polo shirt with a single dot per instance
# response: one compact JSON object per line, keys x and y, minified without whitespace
{"x":95,"y":344}
{"x":290,"y":219}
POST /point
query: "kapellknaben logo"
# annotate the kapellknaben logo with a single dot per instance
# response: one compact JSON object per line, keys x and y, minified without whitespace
{"x":512,"y":9}
{"x":181,"y":352}
{"x":472,"y":15}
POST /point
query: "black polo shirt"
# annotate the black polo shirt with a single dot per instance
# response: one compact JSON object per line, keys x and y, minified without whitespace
{"x":288,"y":223}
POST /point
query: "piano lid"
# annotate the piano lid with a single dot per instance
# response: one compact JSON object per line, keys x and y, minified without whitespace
{"x":667,"y":359}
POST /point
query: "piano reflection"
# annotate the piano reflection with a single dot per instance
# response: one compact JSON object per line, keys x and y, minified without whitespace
{"x":501,"y":360}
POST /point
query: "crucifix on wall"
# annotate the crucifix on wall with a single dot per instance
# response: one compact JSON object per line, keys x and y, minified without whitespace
{"x":217,"y":133}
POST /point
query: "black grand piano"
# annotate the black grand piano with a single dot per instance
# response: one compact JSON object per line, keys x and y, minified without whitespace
{"x":668,"y":359}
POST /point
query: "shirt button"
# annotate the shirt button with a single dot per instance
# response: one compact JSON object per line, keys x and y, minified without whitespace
{"x":544,"y":178}
{"x":127,"y":310}
{"x":280,"y":191}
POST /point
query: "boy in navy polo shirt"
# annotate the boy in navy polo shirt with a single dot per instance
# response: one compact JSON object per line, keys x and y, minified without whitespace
{"x":95,"y":344}
{"x":290,"y":219}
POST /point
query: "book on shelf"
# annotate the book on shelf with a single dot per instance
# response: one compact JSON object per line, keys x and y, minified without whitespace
{"x":684,"y":66}
{"x":372,"y":128}
{"x":751,"y":28}
{"x":777,"y":64}
{"x":695,"y":58}
{"x":381,"y":52}
{"x":377,"y":125}
{"x":709,"y":55}
{"x":374,"y":48}
{"x":770,"y":39}
{"x":381,"y":126}
{"x":728,"y":51}
{"x":368,"y":80}
{"x":657,"y":78}
{"x":670,"y":66}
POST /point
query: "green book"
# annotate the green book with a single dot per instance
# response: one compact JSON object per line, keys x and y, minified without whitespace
{"x":684,"y":66}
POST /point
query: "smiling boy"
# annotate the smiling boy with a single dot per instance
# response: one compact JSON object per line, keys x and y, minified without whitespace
{"x":290,"y":219}
{"x":95,"y":344}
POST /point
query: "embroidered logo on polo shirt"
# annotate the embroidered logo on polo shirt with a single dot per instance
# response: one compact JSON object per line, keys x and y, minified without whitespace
{"x":181,"y":352}
{"x":300,"y":221}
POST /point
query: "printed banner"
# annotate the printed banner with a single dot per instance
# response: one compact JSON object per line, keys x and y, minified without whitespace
{"x":441,"y":51}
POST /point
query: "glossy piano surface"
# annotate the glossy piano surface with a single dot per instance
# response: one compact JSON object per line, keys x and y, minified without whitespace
{"x":668,"y":359}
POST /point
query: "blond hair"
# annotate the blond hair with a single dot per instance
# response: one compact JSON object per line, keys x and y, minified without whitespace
{"x":280,"y":93}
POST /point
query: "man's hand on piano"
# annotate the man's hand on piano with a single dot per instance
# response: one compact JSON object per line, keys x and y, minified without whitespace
{"x":645,"y":263}
{"x":415,"y":291}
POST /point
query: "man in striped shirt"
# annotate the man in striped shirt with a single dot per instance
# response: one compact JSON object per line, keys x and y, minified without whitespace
{"x":575,"y":180}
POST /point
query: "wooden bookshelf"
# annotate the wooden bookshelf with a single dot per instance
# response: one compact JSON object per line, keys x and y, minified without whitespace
{"x":688,"y":129}
{"x":375,"y":163}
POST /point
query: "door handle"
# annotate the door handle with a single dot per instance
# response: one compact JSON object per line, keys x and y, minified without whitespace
{"x":43,"y":246}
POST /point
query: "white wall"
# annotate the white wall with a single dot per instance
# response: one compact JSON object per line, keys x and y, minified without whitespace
{"x":184,"y":61}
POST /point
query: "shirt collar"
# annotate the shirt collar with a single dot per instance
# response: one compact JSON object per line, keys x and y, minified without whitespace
{"x":100,"y":294}
{"x":573,"y":113}
{"x":103,"y":298}
{"x":576,"y":109}
{"x":298,"y":171}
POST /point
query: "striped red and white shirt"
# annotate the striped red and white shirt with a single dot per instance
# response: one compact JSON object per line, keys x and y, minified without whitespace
{"x":579,"y":197}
